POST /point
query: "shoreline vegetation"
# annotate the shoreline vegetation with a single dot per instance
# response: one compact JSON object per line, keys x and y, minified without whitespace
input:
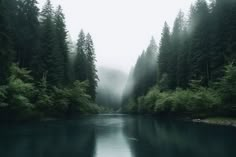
{"x":43,"y":74}
{"x":193,"y":73}
{"x":195,"y":102}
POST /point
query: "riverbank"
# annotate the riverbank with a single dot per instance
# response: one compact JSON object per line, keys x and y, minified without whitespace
{"x":217,"y":121}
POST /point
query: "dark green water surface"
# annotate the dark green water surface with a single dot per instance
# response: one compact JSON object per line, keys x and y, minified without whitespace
{"x":117,"y":136}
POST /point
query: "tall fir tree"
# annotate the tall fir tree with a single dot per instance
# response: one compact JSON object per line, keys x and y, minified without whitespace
{"x":200,"y":56}
{"x":6,"y":45}
{"x":145,"y":74}
{"x":48,"y":58}
{"x":163,"y":58}
{"x":91,"y":67}
{"x":176,"y":56}
{"x":80,"y":64}
{"x":27,"y":37}
{"x":62,"y":49}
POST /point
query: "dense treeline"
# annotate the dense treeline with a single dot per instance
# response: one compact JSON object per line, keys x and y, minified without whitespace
{"x":37,"y":76}
{"x":143,"y":76}
{"x":195,"y":71}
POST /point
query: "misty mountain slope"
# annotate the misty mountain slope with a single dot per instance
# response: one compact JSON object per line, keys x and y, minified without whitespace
{"x":110,"y":87}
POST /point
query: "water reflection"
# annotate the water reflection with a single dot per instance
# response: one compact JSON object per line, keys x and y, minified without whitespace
{"x":110,"y":141}
{"x":165,"y":138}
{"x":117,"y":136}
{"x":49,"y":139}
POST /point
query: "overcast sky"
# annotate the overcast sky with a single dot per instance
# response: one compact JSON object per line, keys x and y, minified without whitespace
{"x":121,"y":29}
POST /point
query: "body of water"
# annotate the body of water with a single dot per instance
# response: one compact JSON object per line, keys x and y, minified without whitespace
{"x":117,"y":136}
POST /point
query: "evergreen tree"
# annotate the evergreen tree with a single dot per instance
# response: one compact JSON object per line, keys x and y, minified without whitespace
{"x":48,"y":59}
{"x":91,"y":67}
{"x":6,"y":47}
{"x":145,"y":71}
{"x":151,"y":63}
{"x":164,"y":52}
{"x":200,"y":56}
{"x":27,"y":36}
{"x":80,"y":64}
{"x":183,"y":68}
{"x":177,"y":57}
{"x":61,"y":45}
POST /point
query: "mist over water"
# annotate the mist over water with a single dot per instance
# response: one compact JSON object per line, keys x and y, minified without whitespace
{"x":110,"y":87}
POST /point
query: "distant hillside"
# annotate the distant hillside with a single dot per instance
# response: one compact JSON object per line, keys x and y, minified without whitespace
{"x":110,"y":87}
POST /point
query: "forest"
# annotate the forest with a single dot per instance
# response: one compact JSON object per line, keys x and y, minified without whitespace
{"x":75,"y":82}
{"x":40,"y":75}
{"x":194,"y":73}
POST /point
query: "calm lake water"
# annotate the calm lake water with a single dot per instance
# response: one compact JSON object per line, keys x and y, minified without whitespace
{"x":117,"y":136}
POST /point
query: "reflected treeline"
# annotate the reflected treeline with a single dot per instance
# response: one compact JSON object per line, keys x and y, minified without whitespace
{"x":117,"y":136}
{"x":149,"y":137}
{"x":54,"y":139}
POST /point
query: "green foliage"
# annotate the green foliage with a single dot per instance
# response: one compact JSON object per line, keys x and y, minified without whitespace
{"x":191,"y":60}
{"x":18,"y":92}
{"x":26,"y":33}
{"x":227,"y":85}
{"x":2,"y":93}
{"x":23,"y":99}
{"x":91,"y":67}
{"x":62,"y":50}
{"x":144,"y":75}
{"x":131,"y":106}
{"x":38,"y":42}
{"x":6,"y":47}
{"x":190,"y":102}
{"x":80,"y":64}
{"x":84,"y":65}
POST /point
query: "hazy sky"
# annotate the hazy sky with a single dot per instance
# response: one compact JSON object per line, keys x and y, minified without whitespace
{"x":121,"y":29}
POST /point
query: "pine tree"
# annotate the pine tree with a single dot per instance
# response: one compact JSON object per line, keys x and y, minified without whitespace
{"x":145,"y":71}
{"x":183,"y":61}
{"x":6,"y":45}
{"x":176,"y":55}
{"x":80,"y":64}
{"x":200,"y":50}
{"x":62,"y":49}
{"x":151,"y":63}
{"x":48,"y":57}
{"x":91,"y":67}
{"x":27,"y":36}
{"x":164,"y":52}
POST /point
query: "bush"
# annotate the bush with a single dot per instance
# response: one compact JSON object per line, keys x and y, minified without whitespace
{"x":191,"y":101}
{"x":227,"y":86}
{"x":73,"y":100}
{"x":17,"y":94}
{"x":196,"y":100}
{"x":21,"y":99}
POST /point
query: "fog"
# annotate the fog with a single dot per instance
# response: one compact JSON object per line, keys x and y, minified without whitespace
{"x":110,"y":87}
{"x":120,"y":29}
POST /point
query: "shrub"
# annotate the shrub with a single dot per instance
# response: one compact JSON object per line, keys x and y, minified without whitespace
{"x":180,"y":101}
{"x":227,"y":86}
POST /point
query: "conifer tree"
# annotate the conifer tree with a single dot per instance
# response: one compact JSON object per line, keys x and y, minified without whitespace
{"x":6,"y":45}
{"x":27,"y":36}
{"x":164,"y":52}
{"x":48,"y":59}
{"x":200,"y":56}
{"x":91,"y":67}
{"x":80,"y":64}
{"x":145,"y":74}
{"x":176,"y":51}
{"x":62,"y":49}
